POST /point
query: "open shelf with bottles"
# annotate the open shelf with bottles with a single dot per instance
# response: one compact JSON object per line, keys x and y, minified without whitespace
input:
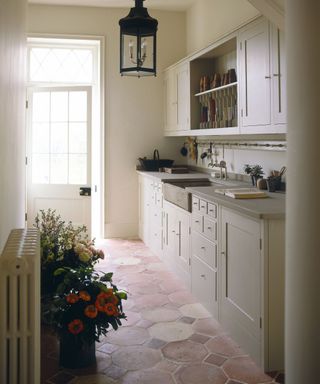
{"x":214,"y":88}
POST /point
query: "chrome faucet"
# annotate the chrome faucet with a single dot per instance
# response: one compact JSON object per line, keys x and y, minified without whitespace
{"x":223,"y":166}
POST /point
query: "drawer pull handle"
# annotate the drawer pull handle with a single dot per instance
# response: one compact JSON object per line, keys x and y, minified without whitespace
{"x":202,"y":206}
{"x":210,"y":210}
{"x":195,"y":203}
{"x":203,"y":276}
{"x":203,"y":247}
{"x":173,"y":231}
{"x":210,"y":228}
{"x":197,"y":221}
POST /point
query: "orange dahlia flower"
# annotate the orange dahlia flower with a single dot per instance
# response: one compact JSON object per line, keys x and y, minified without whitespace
{"x":91,"y":311}
{"x":113,"y":299}
{"x":101,"y":301}
{"x":110,"y":309}
{"x":72,"y":298}
{"x":76,"y":326}
{"x":84,"y":295}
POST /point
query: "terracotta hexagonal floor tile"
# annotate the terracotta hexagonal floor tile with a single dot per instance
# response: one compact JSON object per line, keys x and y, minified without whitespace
{"x":128,"y":336}
{"x":197,"y":338}
{"x":208,"y":327}
{"x":132,"y":318}
{"x":150,"y":301}
{"x":215,"y":359}
{"x":182,"y":298}
{"x":143,"y":288}
{"x":200,"y":374}
{"x":147,"y":377}
{"x":195,"y":310}
{"x":158,"y":315}
{"x":173,"y":331}
{"x":185,"y":351}
{"x":245,"y":370}
{"x":223,"y":345}
{"x":135,"y":358}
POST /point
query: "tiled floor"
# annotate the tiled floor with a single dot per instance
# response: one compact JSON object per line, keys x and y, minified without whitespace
{"x":168,"y":338}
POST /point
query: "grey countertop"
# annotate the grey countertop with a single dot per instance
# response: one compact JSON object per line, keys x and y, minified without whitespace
{"x":175,"y":176}
{"x":272,"y":207}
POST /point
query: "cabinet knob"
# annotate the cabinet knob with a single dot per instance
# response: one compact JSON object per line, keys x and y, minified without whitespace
{"x":203,"y":247}
{"x":210,"y":228}
{"x":173,"y":231}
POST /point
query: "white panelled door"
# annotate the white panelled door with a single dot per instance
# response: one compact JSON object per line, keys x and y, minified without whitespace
{"x":59,"y":153}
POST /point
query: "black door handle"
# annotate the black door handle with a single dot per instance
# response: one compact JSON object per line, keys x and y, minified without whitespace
{"x":85,"y":191}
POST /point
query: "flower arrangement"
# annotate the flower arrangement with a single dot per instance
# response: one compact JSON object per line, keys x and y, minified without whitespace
{"x":86,"y":311}
{"x":79,"y":303}
{"x":62,"y":245}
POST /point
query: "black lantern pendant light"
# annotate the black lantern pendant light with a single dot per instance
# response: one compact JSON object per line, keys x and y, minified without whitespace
{"x":138,"y":41}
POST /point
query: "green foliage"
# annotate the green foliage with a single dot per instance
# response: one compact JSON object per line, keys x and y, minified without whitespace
{"x":68,"y":258}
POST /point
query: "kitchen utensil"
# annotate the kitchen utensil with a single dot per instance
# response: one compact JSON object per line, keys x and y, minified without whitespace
{"x":282,"y":171}
{"x":184,"y":150}
{"x":203,"y":155}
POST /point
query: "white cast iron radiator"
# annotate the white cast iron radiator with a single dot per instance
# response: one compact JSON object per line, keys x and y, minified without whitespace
{"x":20,"y":308}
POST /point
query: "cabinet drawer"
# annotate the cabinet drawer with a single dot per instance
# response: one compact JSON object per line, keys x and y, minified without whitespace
{"x":203,"y":207}
{"x":197,"y":222}
{"x":204,"y":249}
{"x":204,"y":283}
{"x":212,"y":210}
{"x":210,"y":229}
{"x":195,"y":204}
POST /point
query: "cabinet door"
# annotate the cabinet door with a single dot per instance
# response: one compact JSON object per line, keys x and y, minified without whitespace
{"x":155,"y":234}
{"x":279,"y":107}
{"x":241,"y":280}
{"x":204,"y":284}
{"x":170,"y":100}
{"x":170,"y":230}
{"x":255,"y":77}
{"x":145,"y":203}
{"x":183,"y":240}
{"x":183,"y":97}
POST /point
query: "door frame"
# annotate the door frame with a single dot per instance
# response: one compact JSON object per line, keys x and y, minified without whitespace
{"x":98,"y":114}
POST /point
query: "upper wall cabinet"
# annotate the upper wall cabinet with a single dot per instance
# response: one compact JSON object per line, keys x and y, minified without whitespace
{"x":262,"y":79}
{"x":235,"y":86}
{"x":177,"y":99}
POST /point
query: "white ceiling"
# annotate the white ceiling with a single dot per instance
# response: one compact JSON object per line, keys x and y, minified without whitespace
{"x":172,"y":5}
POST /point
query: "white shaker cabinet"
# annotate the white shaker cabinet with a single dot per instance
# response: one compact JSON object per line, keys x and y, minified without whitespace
{"x":252,"y":285}
{"x":262,"y":79}
{"x":204,"y":252}
{"x":255,"y":77}
{"x":176,"y":243}
{"x":177,"y":98}
{"x":241,"y":278}
{"x":150,"y":213}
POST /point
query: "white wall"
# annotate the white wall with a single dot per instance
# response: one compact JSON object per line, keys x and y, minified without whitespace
{"x":134,"y":107}
{"x":208,"y":20}
{"x":12,"y":129}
